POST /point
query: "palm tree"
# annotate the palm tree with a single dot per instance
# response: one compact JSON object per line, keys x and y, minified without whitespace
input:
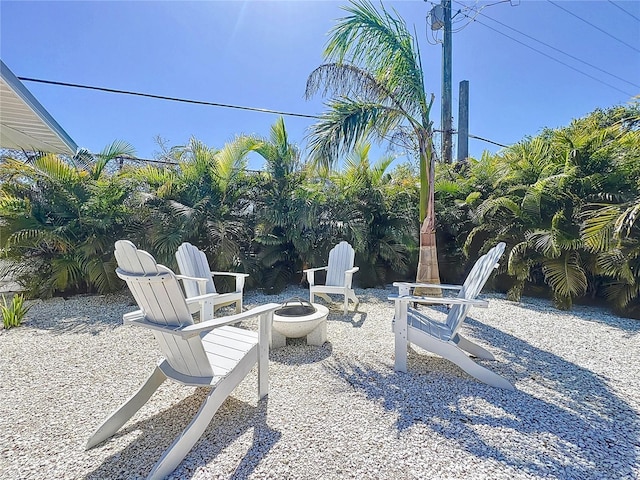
{"x":200,"y":201}
{"x":59,"y":217}
{"x":376,"y":81}
{"x":278,"y":222}
{"x":380,"y":225}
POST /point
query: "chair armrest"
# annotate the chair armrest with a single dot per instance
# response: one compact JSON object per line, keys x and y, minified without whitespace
{"x":137,"y":318}
{"x":202,"y":282}
{"x":216,"y":297}
{"x":311,"y":272}
{"x":240,"y":277}
{"x":196,"y":329}
{"x":439,"y":300}
{"x":443,"y":286}
{"x":307,"y":270}
{"x":235,"y":274}
{"x":348,"y":276}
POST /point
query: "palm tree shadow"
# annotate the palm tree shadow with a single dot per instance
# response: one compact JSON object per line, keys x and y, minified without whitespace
{"x":158,"y":432}
{"x":103,"y":313}
{"x":586,"y":313}
{"x":574,"y":425}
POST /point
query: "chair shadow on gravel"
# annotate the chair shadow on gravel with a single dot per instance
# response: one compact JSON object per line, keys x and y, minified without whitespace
{"x":355,"y":318}
{"x":233,"y":419}
{"x":572,"y":424}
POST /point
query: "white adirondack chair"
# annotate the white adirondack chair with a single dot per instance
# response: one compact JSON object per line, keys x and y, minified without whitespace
{"x":210,"y":353}
{"x":340,"y":272}
{"x":444,"y":339}
{"x":192,"y":262}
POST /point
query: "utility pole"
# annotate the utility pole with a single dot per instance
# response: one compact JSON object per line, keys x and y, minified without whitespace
{"x":463,"y":121}
{"x":446,"y":118}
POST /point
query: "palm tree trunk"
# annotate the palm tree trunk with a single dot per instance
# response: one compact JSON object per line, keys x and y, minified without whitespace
{"x":428,"y":271}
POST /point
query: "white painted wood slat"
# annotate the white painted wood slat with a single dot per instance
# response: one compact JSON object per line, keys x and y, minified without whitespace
{"x":220,"y":358}
{"x":339,"y":278}
{"x":415,"y":326}
{"x":193,"y":262}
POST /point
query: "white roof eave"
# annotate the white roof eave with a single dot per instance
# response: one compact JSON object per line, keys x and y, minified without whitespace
{"x":24,"y":123}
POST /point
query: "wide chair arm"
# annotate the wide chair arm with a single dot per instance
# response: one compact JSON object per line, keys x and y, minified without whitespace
{"x":440,"y":300}
{"x":187,"y":331}
{"x":348,"y":276}
{"x":404,"y":288}
{"x":311,"y":272}
{"x":218,"y":298}
{"x":202,"y":282}
{"x":240,"y":277}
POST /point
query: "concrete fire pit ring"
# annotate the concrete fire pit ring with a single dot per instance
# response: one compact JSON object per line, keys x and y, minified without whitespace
{"x":313,"y":326}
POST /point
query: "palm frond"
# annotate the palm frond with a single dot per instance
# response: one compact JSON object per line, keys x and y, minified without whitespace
{"x":597,"y":227}
{"x":345,"y":124}
{"x":565,"y":275}
{"x":380,"y":43}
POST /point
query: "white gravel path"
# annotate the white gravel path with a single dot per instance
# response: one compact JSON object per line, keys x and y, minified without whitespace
{"x":334,"y":412}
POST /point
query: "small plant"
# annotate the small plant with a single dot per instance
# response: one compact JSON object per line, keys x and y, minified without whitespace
{"x":13,"y":313}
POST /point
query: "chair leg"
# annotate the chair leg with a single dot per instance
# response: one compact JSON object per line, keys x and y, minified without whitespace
{"x":173,"y":455}
{"x":325,"y":297}
{"x":483,"y":374}
{"x":352,"y":294}
{"x":239,"y":306}
{"x":474,"y":349}
{"x":208,"y":310}
{"x":451,"y":352}
{"x":118,"y":418}
{"x":400,"y":329}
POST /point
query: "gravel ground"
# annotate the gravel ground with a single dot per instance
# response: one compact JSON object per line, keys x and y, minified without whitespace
{"x":336,"y":411}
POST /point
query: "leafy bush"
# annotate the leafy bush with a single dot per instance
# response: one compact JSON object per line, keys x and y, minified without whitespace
{"x":58,"y":220}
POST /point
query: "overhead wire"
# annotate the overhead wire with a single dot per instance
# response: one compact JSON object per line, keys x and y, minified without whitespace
{"x":557,"y":49}
{"x":624,"y":10}
{"x":162,"y":97}
{"x":555,"y":59}
{"x":184,"y":100}
{"x":593,"y":25}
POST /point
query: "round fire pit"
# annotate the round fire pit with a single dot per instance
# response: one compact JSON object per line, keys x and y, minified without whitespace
{"x":298,"y":318}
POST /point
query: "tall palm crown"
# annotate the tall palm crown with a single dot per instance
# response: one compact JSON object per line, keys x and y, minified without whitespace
{"x":376,"y":83}
{"x":375,"y":78}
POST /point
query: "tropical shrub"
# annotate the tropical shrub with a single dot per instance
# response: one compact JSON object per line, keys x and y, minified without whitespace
{"x":559,"y":201}
{"x":59,"y":218}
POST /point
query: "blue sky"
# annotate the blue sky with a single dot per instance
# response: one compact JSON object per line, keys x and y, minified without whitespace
{"x":260,"y":53}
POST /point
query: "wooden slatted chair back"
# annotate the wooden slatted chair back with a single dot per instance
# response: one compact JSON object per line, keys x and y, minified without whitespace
{"x":478,"y":276}
{"x":193,"y":262}
{"x":341,"y":259}
{"x":159,"y":296}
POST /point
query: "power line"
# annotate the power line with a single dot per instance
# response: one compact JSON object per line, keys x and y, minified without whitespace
{"x":183,"y":100}
{"x":625,"y":11}
{"x":554,"y":59}
{"x":594,"y":26}
{"x":173,"y":99}
{"x":487,"y":140}
{"x":557,"y":49}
